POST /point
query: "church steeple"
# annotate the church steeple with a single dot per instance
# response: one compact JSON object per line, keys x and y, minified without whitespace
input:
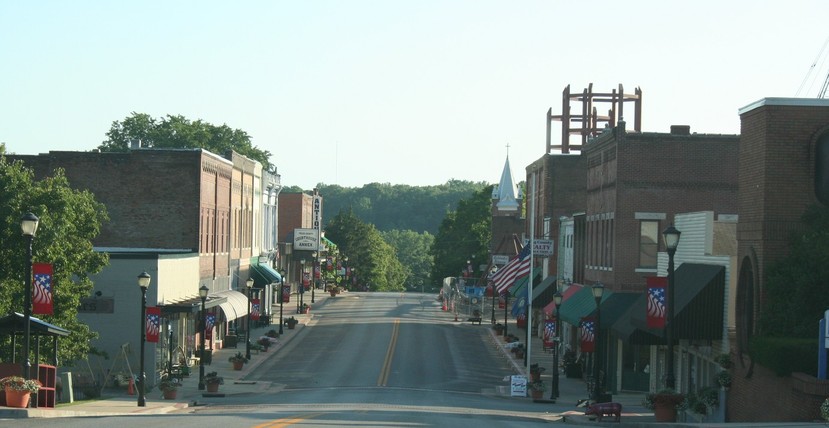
{"x":506,"y":192}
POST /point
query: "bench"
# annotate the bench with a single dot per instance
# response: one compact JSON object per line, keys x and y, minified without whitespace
{"x":475,"y":318}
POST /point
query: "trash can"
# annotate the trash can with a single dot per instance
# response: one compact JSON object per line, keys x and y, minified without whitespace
{"x":66,"y":392}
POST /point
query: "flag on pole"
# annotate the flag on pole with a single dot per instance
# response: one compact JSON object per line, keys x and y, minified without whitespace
{"x":42,"y":290}
{"x":657,"y":286}
{"x":153,"y":324}
{"x":588,"y":334}
{"x":254,"y":309}
{"x":516,"y":269}
{"x":549,"y":330}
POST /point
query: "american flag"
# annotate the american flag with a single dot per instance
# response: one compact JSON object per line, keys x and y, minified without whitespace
{"x":210,"y":321}
{"x":153,"y":324}
{"x":254,"y":309}
{"x":516,"y":269}
{"x":42,"y":290}
{"x":656,"y":306}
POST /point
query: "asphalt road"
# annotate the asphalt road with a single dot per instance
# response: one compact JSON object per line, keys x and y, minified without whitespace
{"x":367,"y":359}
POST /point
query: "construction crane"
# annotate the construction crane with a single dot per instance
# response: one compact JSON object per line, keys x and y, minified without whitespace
{"x":821,"y":58}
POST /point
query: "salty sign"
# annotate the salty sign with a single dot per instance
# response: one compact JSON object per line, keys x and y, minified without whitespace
{"x":543,"y":248}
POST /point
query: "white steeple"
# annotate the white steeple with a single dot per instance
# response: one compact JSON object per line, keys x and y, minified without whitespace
{"x":506,"y":192}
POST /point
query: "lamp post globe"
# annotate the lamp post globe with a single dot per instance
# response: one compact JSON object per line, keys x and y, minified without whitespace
{"x":28,"y":225}
{"x":557,"y":298}
{"x":598,"y":291}
{"x":671,"y":235}
{"x":143,"y":282}
{"x":203,"y":290}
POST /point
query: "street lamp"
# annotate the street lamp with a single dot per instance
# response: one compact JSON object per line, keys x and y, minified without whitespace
{"x":281,"y":299}
{"x":249,"y":285}
{"x":345,"y":274}
{"x":203,"y":290}
{"x":492,"y":291}
{"x":671,"y":235}
{"x":144,"y":283}
{"x":557,"y":298}
{"x":299,"y":302}
{"x":598,"y":290}
{"x":28,"y":224}
{"x":314,"y":274}
{"x":169,"y":346}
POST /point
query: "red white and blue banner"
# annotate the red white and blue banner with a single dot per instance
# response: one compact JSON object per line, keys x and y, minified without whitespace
{"x":306,"y":279}
{"x":588,"y":334}
{"x":317,"y":272}
{"x":286,"y":294}
{"x":153,"y":324}
{"x":657,"y":287}
{"x":255,"y":309}
{"x":42,"y":289}
{"x":208,"y":328}
{"x":549,"y":330}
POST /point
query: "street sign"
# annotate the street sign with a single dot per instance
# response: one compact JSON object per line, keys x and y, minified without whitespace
{"x":543,"y":248}
{"x":306,"y":239}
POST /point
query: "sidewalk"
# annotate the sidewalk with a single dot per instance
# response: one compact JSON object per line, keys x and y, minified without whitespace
{"x":188,"y":394}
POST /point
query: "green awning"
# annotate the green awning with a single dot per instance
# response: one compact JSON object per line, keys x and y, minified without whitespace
{"x":264,"y":275}
{"x":582,"y":304}
{"x":519,"y":286}
{"x":543,"y":293}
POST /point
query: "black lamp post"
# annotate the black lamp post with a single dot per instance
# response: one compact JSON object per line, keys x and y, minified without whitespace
{"x":671,"y":235}
{"x":598,"y":291}
{"x":314,"y":264}
{"x":492,"y":291}
{"x":299,"y":302}
{"x":169,"y":347}
{"x":28,"y":224}
{"x":249,"y":285}
{"x":203,"y":290}
{"x":556,"y":341}
{"x":345,"y":274}
{"x":281,"y":299}
{"x":144,"y":283}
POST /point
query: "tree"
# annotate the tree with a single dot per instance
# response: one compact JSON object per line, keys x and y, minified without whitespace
{"x":181,"y":133}
{"x":796,"y":290}
{"x":463,"y":235}
{"x":413,"y":252}
{"x":69,"y":220}
{"x":375,"y":260}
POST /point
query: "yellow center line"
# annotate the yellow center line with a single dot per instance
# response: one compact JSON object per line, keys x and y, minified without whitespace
{"x":284,"y":422}
{"x":384,"y":373}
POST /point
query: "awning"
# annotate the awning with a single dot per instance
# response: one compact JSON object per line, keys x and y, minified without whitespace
{"x":699,"y":301}
{"x":191,"y":304}
{"x":582,"y":304}
{"x":235,"y":304}
{"x":264,"y":275}
{"x":15,"y":323}
{"x":518,"y":289}
{"x":543,"y":293}
{"x":616,"y":306}
{"x":568,"y":293}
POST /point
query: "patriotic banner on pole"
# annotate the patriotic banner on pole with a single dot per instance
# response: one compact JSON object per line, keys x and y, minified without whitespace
{"x":516,"y":269}
{"x":254,"y":309}
{"x":306,"y":279}
{"x":588,"y":334}
{"x":657,"y":309}
{"x":286,"y":294}
{"x":208,"y":329}
{"x":316,"y":272}
{"x":549,"y":330}
{"x":153,"y":324}
{"x":42,"y":289}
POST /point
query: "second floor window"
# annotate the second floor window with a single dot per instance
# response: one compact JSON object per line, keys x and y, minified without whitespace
{"x":648,"y":243}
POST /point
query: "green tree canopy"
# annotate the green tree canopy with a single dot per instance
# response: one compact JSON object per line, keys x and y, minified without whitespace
{"x":181,"y":133}
{"x":796,"y":290}
{"x":413,"y":253}
{"x":464,"y":235}
{"x":375,"y":260}
{"x":69,"y":220}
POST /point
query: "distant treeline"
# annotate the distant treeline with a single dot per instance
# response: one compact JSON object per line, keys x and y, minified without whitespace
{"x":399,"y":206}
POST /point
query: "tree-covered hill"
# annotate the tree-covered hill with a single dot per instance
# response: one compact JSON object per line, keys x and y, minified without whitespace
{"x":397,"y":207}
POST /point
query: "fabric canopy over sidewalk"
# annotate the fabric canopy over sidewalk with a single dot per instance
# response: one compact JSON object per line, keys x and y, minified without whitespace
{"x":235,"y":304}
{"x":568,"y":293}
{"x":264,"y":275}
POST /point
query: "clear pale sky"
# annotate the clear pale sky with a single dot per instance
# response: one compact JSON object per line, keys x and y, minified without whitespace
{"x":403,"y":92}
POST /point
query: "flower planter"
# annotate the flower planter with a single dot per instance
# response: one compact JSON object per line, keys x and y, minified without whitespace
{"x":238,"y":365}
{"x":213,"y":387}
{"x":15,"y":398}
{"x":536,"y":394}
{"x":664,"y":412}
{"x":169,"y":394}
{"x":333,"y":292}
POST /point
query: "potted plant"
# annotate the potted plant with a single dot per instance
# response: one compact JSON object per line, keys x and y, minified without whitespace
{"x":333,"y":291}
{"x":536,"y":389}
{"x":664,"y":404}
{"x":305,"y":309}
{"x":19,"y":390}
{"x":212,"y":380}
{"x":238,"y":361}
{"x":724,"y":379}
{"x":272,"y":333}
{"x":264,"y":344}
{"x":291,"y":323}
{"x":169,"y":387}
{"x":535,"y":372}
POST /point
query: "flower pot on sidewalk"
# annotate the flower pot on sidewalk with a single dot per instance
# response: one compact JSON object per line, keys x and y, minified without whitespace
{"x":170,"y":394}
{"x":212,"y":387}
{"x":15,"y":398}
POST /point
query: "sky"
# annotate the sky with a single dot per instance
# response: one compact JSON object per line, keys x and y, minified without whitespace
{"x":352,"y":92}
